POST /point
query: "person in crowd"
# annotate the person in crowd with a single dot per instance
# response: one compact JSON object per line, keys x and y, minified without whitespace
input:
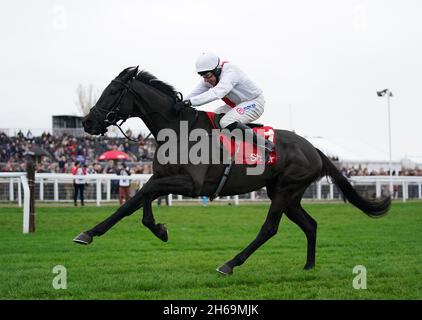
{"x":124,"y":184}
{"x":79,"y":184}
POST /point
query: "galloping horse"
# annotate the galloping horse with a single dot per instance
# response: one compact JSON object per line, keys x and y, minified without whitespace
{"x":298,"y":164}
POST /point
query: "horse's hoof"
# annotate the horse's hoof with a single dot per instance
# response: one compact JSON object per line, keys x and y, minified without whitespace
{"x":162,"y":233}
{"x":225,"y":269}
{"x":309,"y":266}
{"x":83,"y":238}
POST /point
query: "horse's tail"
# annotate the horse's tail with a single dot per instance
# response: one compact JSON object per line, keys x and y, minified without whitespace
{"x":373,"y":208}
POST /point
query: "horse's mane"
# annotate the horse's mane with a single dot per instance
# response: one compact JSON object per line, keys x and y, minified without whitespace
{"x":149,"y":79}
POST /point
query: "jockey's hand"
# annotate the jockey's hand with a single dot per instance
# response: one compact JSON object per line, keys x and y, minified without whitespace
{"x":179,"y":105}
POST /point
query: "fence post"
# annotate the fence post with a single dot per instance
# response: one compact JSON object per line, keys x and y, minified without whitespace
{"x":319,"y":190}
{"x":19,"y":194}
{"x":26,"y":203}
{"x":378,"y":189}
{"x":11,"y":191}
{"x":41,"y":189}
{"x":405,"y":191}
{"x":108,"y":189}
{"x":420,"y":190}
{"x":253,"y":195}
{"x":56,"y":190}
{"x":98,"y":190}
{"x":236,"y":200}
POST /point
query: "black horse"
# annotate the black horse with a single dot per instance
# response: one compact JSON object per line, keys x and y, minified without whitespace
{"x":139,"y":94}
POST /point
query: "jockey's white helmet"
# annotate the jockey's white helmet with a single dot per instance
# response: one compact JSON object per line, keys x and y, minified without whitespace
{"x":207,"y":62}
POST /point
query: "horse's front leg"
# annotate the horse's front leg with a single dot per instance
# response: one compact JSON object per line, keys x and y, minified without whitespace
{"x":133,"y":204}
{"x":178,"y":184}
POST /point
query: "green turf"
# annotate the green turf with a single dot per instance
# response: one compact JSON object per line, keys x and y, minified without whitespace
{"x":130,"y":263}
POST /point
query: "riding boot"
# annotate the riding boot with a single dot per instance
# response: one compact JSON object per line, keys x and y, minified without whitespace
{"x":268,"y":146}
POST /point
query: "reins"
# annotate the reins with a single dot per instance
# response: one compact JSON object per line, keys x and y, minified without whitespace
{"x":113,"y":115}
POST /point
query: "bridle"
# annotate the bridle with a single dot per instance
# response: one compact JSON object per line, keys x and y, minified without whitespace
{"x":113,"y":115}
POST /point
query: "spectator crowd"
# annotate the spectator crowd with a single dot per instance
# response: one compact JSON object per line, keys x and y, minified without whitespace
{"x":65,"y":150}
{"x":359,"y":171}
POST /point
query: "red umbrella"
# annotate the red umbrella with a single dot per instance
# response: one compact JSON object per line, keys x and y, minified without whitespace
{"x":113,"y":155}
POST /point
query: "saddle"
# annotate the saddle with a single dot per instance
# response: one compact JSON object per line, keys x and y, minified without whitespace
{"x":245,"y":152}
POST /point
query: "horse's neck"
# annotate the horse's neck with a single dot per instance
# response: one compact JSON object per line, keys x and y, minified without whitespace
{"x":155,"y":109}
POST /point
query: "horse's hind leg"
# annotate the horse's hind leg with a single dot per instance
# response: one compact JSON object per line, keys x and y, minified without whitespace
{"x":309,"y":226}
{"x":268,"y":230}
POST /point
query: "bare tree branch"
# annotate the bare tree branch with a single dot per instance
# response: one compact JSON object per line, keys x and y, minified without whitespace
{"x":87,"y":98}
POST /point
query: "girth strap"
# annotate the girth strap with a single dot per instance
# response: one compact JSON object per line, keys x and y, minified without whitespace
{"x":223,"y":180}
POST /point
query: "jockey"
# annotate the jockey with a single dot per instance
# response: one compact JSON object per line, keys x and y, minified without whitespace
{"x":244,"y":101}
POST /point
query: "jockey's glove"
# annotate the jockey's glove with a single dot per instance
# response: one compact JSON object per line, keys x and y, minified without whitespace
{"x":179,"y":105}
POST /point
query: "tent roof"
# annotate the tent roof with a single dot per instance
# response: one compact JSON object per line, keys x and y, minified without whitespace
{"x":349,"y":149}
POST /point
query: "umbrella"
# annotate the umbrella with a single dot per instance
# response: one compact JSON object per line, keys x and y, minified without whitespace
{"x":113,"y":155}
{"x":37,"y":152}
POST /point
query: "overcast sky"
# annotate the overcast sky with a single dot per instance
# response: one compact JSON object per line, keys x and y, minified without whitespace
{"x":319,"y":63}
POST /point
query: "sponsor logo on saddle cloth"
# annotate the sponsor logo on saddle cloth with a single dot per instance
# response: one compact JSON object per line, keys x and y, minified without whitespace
{"x":251,"y":155}
{"x":246,"y":152}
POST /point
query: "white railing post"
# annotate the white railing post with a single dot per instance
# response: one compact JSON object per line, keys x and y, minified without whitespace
{"x":378,"y":189}
{"x":26,"y":199}
{"x":236,"y":200}
{"x":170,"y":199}
{"x":98,"y":190}
{"x":319,"y":189}
{"x":331,"y":191}
{"x":405,"y":191}
{"x":108,"y":189}
{"x":420,"y":190}
{"x":56,"y":189}
{"x":41,"y":189}
{"x":253,"y":195}
{"x":11,"y":191}
{"x":19,"y":194}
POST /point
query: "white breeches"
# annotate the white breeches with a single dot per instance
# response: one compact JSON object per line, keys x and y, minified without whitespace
{"x":244,"y":112}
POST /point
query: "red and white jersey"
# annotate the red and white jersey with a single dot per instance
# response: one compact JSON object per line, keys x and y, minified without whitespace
{"x":78,"y":171}
{"x":234,"y":87}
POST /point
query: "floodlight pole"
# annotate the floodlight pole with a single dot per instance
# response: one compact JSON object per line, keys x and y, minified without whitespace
{"x":389,"y":142}
{"x":389,"y":94}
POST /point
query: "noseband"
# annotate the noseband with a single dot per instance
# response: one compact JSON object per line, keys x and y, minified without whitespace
{"x":113,"y":114}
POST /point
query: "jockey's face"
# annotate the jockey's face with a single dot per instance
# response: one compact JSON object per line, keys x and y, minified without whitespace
{"x":210,"y":78}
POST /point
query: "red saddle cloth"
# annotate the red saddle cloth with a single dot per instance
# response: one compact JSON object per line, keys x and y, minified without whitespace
{"x":246,"y":152}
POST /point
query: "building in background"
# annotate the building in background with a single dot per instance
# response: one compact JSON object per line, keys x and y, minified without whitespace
{"x":71,"y":125}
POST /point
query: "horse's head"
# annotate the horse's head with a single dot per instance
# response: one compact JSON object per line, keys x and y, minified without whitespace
{"x":114,"y":104}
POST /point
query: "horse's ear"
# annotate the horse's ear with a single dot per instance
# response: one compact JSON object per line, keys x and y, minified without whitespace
{"x":128,"y":73}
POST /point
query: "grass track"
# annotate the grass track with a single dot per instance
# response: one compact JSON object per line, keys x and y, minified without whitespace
{"x":130,"y":263}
